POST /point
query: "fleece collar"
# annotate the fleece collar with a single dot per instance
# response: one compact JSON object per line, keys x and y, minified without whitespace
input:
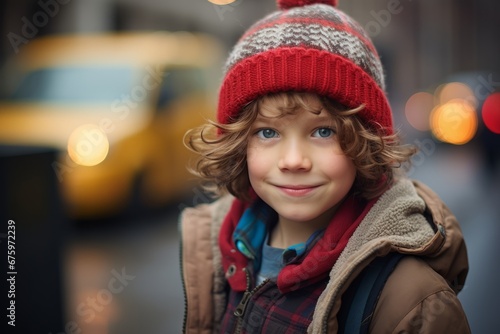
{"x":395,"y":223}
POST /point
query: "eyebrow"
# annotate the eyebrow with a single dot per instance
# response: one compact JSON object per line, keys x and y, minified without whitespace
{"x":322,"y":118}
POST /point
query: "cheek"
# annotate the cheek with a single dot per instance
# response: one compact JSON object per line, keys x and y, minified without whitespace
{"x":256,"y":165}
{"x":344,"y":169}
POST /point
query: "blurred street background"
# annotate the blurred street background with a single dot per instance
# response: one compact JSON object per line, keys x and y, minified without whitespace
{"x":96,"y":95}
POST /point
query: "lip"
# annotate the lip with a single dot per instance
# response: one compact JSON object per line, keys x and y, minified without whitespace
{"x":297,"y":190}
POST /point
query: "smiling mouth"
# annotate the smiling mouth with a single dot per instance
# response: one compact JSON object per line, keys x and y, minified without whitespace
{"x":297,"y":191}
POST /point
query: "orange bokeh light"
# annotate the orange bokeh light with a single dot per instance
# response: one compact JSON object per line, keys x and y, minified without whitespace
{"x":88,"y":145}
{"x":221,"y":2}
{"x":455,"y":90}
{"x":454,"y":122}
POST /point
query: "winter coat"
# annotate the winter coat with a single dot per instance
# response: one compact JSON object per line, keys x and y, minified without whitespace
{"x":419,"y":296}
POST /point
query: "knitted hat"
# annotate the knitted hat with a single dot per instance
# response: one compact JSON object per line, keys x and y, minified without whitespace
{"x":307,"y":46}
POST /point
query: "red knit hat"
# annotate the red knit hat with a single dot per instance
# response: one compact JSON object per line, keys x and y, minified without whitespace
{"x":306,"y":46}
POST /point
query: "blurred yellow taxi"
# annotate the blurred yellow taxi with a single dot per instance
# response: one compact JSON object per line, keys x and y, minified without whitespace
{"x":117,"y":106}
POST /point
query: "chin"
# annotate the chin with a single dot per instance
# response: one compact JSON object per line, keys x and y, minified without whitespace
{"x":299,"y":216}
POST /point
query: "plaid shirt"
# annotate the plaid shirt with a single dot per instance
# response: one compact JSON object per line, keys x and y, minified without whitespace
{"x":270,"y":311}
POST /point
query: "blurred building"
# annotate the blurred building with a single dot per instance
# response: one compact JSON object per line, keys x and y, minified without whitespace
{"x":432,"y":40}
{"x":423,"y":44}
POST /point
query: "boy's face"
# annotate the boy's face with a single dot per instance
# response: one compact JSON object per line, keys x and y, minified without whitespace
{"x":296,"y":165}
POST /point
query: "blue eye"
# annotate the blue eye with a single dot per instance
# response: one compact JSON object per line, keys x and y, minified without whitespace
{"x":323,"y":132}
{"x":267,"y":133}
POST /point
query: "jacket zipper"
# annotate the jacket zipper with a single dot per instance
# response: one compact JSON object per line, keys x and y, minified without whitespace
{"x":242,"y":306}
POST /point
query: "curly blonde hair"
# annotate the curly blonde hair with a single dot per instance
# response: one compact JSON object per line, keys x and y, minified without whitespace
{"x":222,"y":148}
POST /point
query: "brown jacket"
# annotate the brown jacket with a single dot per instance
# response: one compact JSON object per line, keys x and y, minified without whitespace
{"x":419,"y":296}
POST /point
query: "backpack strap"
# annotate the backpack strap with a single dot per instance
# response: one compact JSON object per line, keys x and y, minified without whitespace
{"x":360,"y":299}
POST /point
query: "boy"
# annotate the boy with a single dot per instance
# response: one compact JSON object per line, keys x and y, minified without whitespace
{"x":305,"y":148}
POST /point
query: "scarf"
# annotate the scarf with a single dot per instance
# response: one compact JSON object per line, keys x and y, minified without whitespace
{"x":310,"y":267}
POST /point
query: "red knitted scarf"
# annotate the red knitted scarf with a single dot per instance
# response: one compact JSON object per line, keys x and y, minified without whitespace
{"x":316,"y":264}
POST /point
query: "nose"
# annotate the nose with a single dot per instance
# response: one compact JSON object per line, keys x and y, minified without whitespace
{"x":294,"y":157}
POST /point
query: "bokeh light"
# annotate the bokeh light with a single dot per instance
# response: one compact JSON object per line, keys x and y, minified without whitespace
{"x":491,"y":112}
{"x":455,"y":90}
{"x":221,"y":2}
{"x":88,"y":145}
{"x":454,"y":122}
{"x":450,"y":112}
{"x":417,"y":110}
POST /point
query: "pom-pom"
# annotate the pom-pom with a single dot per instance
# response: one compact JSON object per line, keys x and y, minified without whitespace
{"x":287,"y":4}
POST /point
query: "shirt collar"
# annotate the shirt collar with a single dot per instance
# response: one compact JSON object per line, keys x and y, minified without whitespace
{"x":250,"y":234}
